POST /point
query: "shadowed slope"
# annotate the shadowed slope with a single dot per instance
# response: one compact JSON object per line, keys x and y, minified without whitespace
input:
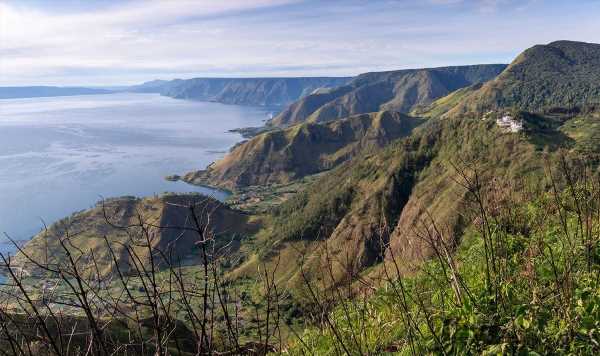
{"x":122,"y":221}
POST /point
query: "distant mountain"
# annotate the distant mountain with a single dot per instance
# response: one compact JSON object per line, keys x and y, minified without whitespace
{"x":562,"y":74}
{"x":241,"y":91}
{"x":43,"y":91}
{"x":284,"y":155}
{"x":153,"y":86}
{"x":492,"y":203}
{"x":400,"y":90}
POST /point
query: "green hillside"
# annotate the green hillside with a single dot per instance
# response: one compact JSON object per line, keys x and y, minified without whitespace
{"x":561,"y":74}
{"x":522,"y":281}
{"x":406,"y":182}
{"x":400,"y":91}
{"x":471,"y":227}
{"x":134,"y":229}
{"x":282,"y":156}
{"x":488,"y":235}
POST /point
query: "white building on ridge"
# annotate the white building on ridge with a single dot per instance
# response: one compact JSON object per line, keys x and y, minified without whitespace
{"x":509,"y":124}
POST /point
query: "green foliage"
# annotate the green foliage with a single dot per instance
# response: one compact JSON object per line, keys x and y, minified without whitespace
{"x":303,"y":218}
{"x":542,"y":295}
{"x":401,"y":90}
{"x":561,"y":74}
{"x":584,"y":128}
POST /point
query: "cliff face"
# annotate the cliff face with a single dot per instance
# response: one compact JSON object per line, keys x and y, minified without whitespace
{"x":401,"y":91}
{"x":242,"y":91}
{"x":284,"y":155}
{"x":167,"y":219}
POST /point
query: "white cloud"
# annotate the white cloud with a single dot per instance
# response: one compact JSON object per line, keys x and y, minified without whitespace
{"x":135,"y":41}
{"x":34,"y":42}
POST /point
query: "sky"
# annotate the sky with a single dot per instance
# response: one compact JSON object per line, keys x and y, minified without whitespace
{"x":101,"y":43}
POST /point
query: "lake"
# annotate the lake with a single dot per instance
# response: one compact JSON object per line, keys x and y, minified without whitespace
{"x":60,"y":155}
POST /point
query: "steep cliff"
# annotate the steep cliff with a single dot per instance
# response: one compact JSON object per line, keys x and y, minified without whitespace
{"x":241,"y":91}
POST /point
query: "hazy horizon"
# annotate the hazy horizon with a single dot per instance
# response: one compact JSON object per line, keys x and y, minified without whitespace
{"x":109,"y":43}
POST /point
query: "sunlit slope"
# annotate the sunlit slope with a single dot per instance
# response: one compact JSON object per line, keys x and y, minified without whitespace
{"x":562,"y":74}
{"x":394,"y":195}
{"x":284,"y":155}
{"x":401,"y":90}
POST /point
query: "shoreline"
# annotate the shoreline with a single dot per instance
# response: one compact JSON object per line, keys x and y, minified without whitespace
{"x":246,"y":133}
{"x":151,"y":176}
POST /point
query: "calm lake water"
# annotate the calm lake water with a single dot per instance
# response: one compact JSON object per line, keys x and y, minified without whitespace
{"x":60,"y":155}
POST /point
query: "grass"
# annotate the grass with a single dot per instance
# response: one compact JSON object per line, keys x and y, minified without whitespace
{"x":585,"y":130}
{"x":544,"y":297}
{"x":261,"y":199}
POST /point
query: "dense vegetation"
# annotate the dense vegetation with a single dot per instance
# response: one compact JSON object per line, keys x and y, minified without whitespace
{"x":561,"y":74}
{"x":523,"y":280}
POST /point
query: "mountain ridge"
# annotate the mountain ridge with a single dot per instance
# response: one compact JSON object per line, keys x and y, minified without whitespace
{"x":411,"y":192}
{"x":241,"y":91}
{"x":400,"y":90}
{"x":282,"y":156}
{"x":562,"y":74}
{"x":392,"y":195}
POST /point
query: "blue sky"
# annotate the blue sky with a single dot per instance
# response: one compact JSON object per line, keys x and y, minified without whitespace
{"x":93,"y":42}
